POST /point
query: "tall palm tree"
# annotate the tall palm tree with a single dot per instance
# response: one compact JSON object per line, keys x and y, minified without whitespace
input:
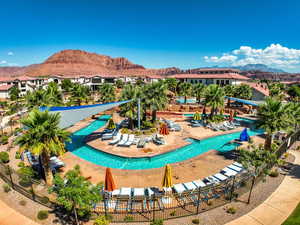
{"x":35,"y":99}
{"x":293,"y":108}
{"x":43,"y":138}
{"x":229,"y":92}
{"x":243,"y":91}
{"x":107,"y":93}
{"x":273,"y":116}
{"x":214,"y":97}
{"x":185,"y":89}
{"x":171,"y":84}
{"x":79,"y":93}
{"x":155,"y":95}
{"x":53,"y":96}
{"x":198,"y":91}
{"x":130,"y":92}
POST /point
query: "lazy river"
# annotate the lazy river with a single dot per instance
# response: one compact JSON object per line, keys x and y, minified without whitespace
{"x":195,"y":148}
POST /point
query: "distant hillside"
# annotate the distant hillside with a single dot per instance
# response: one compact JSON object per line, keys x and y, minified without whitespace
{"x":258,"y":67}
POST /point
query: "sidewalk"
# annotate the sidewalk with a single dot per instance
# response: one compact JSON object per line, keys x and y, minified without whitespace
{"x":280,"y":204}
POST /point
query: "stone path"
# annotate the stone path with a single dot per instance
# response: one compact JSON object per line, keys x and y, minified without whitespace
{"x":280,"y":204}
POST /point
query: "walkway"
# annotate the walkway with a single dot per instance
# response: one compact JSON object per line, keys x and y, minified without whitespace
{"x":280,"y":204}
{"x":9,"y":216}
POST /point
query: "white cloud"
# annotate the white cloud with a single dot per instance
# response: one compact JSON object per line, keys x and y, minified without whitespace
{"x":10,"y":53}
{"x":3,"y":62}
{"x":273,"y":55}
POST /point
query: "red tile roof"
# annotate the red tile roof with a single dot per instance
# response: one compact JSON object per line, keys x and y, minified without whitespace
{"x":154,"y":76}
{"x":262,"y":88}
{"x":211,"y":76}
{"x":21,"y":78}
{"x":6,"y":87}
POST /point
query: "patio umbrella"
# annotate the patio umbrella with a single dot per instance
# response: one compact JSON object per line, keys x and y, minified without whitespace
{"x":109,"y":181}
{"x":167,"y":180}
{"x":231,"y":116}
{"x":197,"y":116}
{"x":111,"y":124}
{"x":244,"y":136}
{"x":164,"y":130}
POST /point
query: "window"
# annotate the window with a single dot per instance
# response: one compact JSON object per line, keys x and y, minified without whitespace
{"x":227,"y":81}
{"x":218,"y":82}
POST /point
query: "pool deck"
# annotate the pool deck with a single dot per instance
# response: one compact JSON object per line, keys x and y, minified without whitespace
{"x":192,"y":169}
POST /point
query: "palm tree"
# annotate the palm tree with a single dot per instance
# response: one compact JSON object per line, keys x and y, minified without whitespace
{"x":35,"y":99}
{"x":66,"y":85}
{"x":107,"y":93}
{"x":293,"y":109}
{"x":79,"y":93}
{"x":229,"y":92}
{"x":214,"y":97}
{"x":198,"y":91}
{"x":129,"y":109}
{"x":155,"y":96}
{"x":14,"y":93}
{"x":43,"y":138}
{"x":171,"y":84}
{"x":185,"y":89}
{"x":243,"y":91}
{"x":273,"y":116}
{"x":53,"y":96}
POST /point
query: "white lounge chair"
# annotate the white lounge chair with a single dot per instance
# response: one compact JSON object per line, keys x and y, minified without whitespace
{"x":190,"y":186}
{"x":123,"y":140}
{"x":179,"y":188}
{"x":129,"y":141}
{"x":125,"y":191}
{"x":116,"y":139}
{"x":199,"y":183}
{"x":137,"y":192}
{"x":211,"y":180}
{"x":236,"y":168}
{"x":238,"y":164}
{"x":229,"y":172}
{"x":220,"y":176}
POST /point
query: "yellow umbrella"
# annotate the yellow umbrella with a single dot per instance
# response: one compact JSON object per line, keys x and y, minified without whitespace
{"x":167,"y":181}
{"x":197,"y":116}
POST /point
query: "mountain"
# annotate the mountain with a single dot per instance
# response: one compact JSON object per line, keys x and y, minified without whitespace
{"x":258,"y":67}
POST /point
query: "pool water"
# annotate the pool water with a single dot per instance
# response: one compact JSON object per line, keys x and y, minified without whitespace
{"x":195,"y":148}
{"x":189,"y":100}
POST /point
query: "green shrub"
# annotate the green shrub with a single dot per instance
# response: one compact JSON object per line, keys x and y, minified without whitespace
{"x":195,"y":221}
{"x":101,"y":220}
{"x":274,"y":173}
{"x":21,"y":164}
{"x":109,"y":217}
{"x":147,"y":124}
{"x":128,"y":219}
{"x":4,"y":139}
{"x":231,"y":210}
{"x":125,"y":131}
{"x":4,"y":157}
{"x":6,"y":188}
{"x":22,"y":202}
{"x":26,"y":173}
{"x":173,"y":213}
{"x":18,"y":155}
{"x":42,"y":215}
{"x":157,"y":222}
{"x":137,"y":132}
{"x":45,"y":200}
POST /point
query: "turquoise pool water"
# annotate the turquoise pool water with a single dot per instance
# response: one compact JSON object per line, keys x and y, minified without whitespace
{"x":195,"y":148}
{"x":189,"y":100}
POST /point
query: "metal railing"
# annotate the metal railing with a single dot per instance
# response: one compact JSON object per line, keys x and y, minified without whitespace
{"x":158,"y":205}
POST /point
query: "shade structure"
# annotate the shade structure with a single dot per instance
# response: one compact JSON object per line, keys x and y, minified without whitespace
{"x":164,"y":130}
{"x":244,"y":136}
{"x":167,"y":180}
{"x":197,"y":116}
{"x":111,"y":124}
{"x":109,"y":181}
{"x":231,"y":115}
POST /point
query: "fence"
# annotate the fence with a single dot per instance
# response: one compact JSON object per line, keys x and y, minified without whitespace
{"x":157,"y":205}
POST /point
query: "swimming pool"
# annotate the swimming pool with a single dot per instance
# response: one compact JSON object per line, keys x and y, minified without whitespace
{"x":189,"y":100}
{"x":195,"y":148}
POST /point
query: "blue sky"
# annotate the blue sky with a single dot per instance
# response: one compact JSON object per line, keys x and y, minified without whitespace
{"x":156,"y":34}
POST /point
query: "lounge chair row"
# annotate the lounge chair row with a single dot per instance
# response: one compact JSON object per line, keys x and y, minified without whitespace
{"x":55,"y":163}
{"x":123,"y":140}
{"x":223,"y":126}
{"x":172,"y":125}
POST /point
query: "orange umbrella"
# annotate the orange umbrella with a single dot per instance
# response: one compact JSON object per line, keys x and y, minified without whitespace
{"x":164,"y":130}
{"x":109,"y":181}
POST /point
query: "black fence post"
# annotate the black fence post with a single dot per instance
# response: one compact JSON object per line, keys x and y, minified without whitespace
{"x":232,"y":188}
{"x":153,"y":212}
{"x":252,"y":184}
{"x":11,"y":180}
{"x":198,"y":200}
{"x":32,"y":191}
{"x":105,"y":206}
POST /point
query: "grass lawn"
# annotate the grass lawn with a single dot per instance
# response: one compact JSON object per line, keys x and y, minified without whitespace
{"x":294,"y":218}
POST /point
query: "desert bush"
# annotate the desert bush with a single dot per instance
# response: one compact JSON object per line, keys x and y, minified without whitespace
{"x":274,"y":173}
{"x":6,"y":188}
{"x":4,"y":139}
{"x":157,"y":222}
{"x":22,"y":202}
{"x":128,"y":219}
{"x":18,"y":155}
{"x":101,"y":220}
{"x":231,"y":210}
{"x":4,"y":157}
{"x":195,"y":221}
{"x":21,"y":164}
{"x":42,"y":214}
{"x":173,"y":213}
{"x":44,"y":200}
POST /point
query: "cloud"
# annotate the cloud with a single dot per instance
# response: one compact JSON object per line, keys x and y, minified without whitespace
{"x":10,"y":53}
{"x":3,"y":62}
{"x":273,"y":55}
